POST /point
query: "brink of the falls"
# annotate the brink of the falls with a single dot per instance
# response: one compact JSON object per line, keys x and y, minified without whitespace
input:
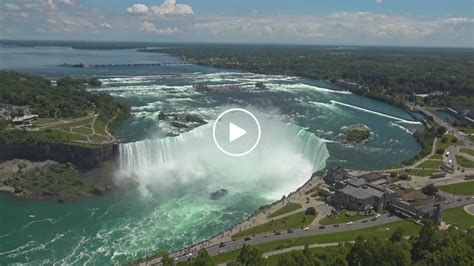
{"x":284,"y":159}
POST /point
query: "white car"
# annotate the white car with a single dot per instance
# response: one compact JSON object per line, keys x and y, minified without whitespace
{"x":377,"y":215}
{"x":350,"y":223}
{"x":306,"y":228}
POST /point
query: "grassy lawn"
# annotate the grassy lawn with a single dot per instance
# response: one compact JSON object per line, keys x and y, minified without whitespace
{"x":383,"y":231}
{"x":98,"y":138}
{"x":445,"y":141}
{"x":100,"y":127}
{"x":463,"y":188}
{"x":436,"y":156}
{"x":82,"y":130}
{"x":286,"y":209}
{"x":459,"y":217}
{"x":418,"y":172}
{"x":296,"y":220}
{"x":66,"y":126}
{"x":468,"y":151}
{"x":43,"y":121}
{"x":430,"y":164}
{"x":464,"y":162}
{"x":343,"y":217}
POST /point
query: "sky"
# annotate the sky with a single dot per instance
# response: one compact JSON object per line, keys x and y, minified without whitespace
{"x":440,"y":23}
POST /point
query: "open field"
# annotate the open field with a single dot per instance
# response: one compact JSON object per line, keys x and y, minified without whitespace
{"x":286,"y":209}
{"x":460,"y":160}
{"x":418,"y":172}
{"x":436,"y":156}
{"x":464,"y":188}
{"x":446,"y":141}
{"x":383,"y":231}
{"x":343,"y":217}
{"x":459,"y":217}
{"x":430,"y":164}
{"x":468,"y":151}
{"x":296,"y":220}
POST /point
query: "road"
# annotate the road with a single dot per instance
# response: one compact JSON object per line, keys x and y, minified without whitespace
{"x":459,"y":135}
{"x":452,"y":201}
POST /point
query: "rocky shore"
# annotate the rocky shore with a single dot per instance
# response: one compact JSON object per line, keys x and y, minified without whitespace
{"x":49,"y":180}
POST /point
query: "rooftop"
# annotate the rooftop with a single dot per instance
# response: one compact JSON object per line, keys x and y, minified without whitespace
{"x":362,"y":192}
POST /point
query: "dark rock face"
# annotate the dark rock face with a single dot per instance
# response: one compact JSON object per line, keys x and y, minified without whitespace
{"x":83,"y":158}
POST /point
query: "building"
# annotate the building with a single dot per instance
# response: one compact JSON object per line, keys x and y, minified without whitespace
{"x":373,"y":176}
{"x":24,"y":121}
{"x":335,"y":175}
{"x":358,"y":195}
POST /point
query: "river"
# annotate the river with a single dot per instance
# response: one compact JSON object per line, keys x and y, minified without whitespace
{"x":173,"y":210}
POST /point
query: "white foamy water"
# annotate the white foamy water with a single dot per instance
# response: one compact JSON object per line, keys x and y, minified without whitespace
{"x":193,"y":157}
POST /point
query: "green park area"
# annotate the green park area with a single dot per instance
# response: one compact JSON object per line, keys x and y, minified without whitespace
{"x":445,"y":141}
{"x":459,"y":217}
{"x":382,"y":231}
{"x":343,"y":216}
{"x":464,"y":188}
{"x":430,"y":164}
{"x":418,"y":172}
{"x":461,"y":161}
{"x":296,"y":220}
{"x":291,"y":206}
{"x":468,"y":151}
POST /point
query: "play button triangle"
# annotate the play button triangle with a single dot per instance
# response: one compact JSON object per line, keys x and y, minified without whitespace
{"x":235,"y":132}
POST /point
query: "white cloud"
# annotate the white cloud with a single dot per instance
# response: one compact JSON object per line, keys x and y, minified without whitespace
{"x":379,"y":1}
{"x":106,"y":25}
{"x":67,"y":2}
{"x":11,"y":6}
{"x":52,"y":21}
{"x":138,"y":9}
{"x":150,"y":27}
{"x":339,"y":28}
{"x":169,"y":7}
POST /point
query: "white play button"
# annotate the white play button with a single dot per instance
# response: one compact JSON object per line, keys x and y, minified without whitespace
{"x":236,"y":124}
{"x":235,"y":132}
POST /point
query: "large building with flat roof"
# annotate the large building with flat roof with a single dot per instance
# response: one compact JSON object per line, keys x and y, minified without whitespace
{"x":358,"y":195}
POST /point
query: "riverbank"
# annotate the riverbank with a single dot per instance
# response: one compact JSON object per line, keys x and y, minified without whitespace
{"x":57,"y":181}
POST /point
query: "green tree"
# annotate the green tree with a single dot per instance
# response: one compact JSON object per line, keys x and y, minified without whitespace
{"x":430,"y":190}
{"x":310,"y":211}
{"x":167,"y":260}
{"x":397,"y":235}
{"x":250,"y":256}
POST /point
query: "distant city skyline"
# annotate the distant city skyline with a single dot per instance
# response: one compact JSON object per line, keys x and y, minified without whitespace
{"x":340,"y":22}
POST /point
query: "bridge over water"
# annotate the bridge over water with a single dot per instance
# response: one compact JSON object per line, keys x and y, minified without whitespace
{"x":122,"y":65}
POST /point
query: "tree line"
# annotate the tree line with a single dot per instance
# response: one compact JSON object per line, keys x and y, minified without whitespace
{"x":430,"y":247}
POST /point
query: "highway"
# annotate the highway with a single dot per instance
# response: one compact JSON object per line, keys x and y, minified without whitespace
{"x":450,"y":202}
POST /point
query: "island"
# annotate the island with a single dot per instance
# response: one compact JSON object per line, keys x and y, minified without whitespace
{"x":54,"y":135}
{"x":357,"y":133}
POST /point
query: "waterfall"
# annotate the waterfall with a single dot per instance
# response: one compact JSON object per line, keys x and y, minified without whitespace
{"x":284,"y":159}
{"x":142,"y":155}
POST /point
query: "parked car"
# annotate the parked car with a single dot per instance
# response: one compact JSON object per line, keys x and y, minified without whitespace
{"x":289,"y":231}
{"x":266,"y":235}
{"x":277,"y":233}
{"x":305,"y":228}
{"x":336,"y":225}
{"x":350,"y":223}
{"x":322,"y":227}
{"x":364,"y":221}
{"x":221,"y":245}
{"x":247,"y":239}
{"x":373,"y":219}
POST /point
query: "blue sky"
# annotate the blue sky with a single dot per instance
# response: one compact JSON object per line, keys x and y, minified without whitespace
{"x":360,"y":22}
